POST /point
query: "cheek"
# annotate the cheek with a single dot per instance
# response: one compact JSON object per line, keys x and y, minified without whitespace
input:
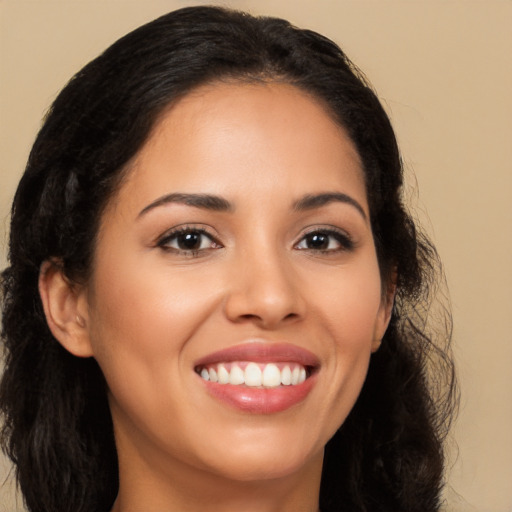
{"x":141,"y":320}
{"x":348,"y":314}
{"x":141,"y":324}
{"x":349,"y":299}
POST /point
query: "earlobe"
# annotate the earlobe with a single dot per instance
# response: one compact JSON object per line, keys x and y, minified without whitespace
{"x":65,"y":308}
{"x":384,"y":316}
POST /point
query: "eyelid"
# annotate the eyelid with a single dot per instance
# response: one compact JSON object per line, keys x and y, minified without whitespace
{"x":343,"y":237}
{"x":175,"y":231}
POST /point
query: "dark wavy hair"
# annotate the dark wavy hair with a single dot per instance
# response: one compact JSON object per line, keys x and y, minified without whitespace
{"x":388,"y":455}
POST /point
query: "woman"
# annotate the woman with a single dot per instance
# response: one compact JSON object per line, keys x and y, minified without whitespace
{"x":226,"y":295}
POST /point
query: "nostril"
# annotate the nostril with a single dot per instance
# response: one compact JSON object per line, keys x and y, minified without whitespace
{"x":266,"y":321}
{"x":250,"y":316}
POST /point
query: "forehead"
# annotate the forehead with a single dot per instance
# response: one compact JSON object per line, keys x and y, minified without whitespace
{"x":238,"y":138}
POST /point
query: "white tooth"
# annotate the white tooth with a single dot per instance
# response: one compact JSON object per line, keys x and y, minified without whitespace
{"x":271,"y":376}
{"x":302,"y":375}
{"x":222,"y":374}
{"x":286,"y":376}
{"x":295,"y":375}
{"x":204,"y":374}
{"x":252,"y":375}
{"x":236,"y":377}
{"x":213,"y":375}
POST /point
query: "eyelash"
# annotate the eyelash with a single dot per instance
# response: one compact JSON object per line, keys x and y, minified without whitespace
{"x":165,"y":241}
{"x":342,"y":239}
{"x":344,"y":242}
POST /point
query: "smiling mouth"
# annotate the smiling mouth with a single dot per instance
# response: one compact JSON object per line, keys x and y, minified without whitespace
{"x":255,"y":375}
{"x":259,"y":377}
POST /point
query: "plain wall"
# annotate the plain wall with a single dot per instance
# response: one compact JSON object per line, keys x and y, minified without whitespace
{"x":444,"y":72}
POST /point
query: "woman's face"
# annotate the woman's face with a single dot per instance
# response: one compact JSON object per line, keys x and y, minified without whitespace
{"x":239,"y":248}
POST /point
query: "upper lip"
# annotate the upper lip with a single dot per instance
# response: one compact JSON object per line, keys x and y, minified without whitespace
{"x":261,"y":352}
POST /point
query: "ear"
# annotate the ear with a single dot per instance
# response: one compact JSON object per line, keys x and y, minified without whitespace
{"x":384,"y":314}
{"x":65,"y":308}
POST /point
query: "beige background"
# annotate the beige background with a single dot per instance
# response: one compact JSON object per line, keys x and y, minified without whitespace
{"x":444,"y":72}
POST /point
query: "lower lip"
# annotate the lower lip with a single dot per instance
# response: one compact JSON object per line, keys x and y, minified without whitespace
{"x":261,"y":400}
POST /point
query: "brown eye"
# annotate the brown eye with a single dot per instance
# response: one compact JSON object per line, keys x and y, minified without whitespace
{"x":325,"y":241}
{"x":188,"y":241}
{"x":317,"y":241}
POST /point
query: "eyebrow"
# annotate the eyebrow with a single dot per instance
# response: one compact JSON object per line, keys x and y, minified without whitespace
{"x":219,"y":204}
{"x":312,"y":201}
{"x":204,"y":201}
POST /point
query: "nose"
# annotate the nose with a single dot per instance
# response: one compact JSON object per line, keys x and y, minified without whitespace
{"x":264,"y":290}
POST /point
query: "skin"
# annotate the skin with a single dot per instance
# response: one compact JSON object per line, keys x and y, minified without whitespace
{"x":151,"y":309}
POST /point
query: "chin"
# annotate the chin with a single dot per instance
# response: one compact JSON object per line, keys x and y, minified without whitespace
{"x":271,"y":456}
{"x":260,"y":468}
